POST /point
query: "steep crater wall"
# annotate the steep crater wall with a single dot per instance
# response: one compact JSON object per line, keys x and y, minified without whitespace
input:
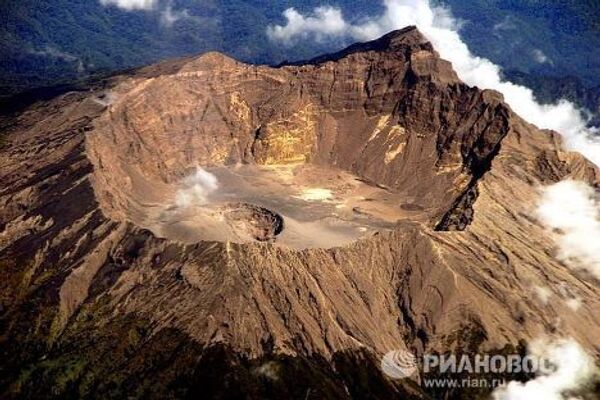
{"x":396,"y":118}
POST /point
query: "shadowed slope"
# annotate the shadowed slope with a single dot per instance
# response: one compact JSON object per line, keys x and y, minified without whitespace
{"x":80,"y":172}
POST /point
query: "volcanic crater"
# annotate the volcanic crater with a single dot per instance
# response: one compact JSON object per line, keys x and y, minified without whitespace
{"x":119,"y":206}
{"x":310,"y":163}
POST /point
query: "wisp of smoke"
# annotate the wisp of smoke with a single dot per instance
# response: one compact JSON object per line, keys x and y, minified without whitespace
{"x":573,"y":371}
{"x":573,"y":209}
{"x":442,"y":29}
{"x":540,"y":57}
{"x":196,"y":188}
{"x":53,"y":52}
{"x":169,"y":16}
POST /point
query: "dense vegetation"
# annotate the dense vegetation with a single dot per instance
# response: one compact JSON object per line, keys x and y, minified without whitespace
{"x":55,"y":41}
{"x":515,"y":33}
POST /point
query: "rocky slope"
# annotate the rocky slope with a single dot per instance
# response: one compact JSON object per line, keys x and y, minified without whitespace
{"x":96,"y":304}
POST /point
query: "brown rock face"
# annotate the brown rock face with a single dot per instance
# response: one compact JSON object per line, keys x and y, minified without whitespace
{"x":362,"y":202}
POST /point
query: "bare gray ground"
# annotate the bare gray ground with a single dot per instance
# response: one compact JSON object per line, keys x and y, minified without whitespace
{"x":320,"y":206}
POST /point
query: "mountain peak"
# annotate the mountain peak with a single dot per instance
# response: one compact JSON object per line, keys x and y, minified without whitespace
{"x":407,"y":38}
{"x":409,"y":35}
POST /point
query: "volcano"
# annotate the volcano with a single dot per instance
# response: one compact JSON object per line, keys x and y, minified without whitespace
{"x":207,"y":228}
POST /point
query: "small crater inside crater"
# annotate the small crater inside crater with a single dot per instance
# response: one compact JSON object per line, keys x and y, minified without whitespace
{"x":259,"y":223}
{"x":294,"y":205}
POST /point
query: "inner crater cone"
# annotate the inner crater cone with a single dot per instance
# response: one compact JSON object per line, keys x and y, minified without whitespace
{"x":257,"y":222}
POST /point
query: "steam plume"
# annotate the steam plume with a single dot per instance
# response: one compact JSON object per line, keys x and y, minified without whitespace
{"x":196,"y":188}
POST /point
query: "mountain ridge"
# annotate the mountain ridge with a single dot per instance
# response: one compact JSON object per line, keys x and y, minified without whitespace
{"x":84,"y":255}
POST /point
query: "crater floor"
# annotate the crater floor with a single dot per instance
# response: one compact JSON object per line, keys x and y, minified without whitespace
{"x":298,"y":206}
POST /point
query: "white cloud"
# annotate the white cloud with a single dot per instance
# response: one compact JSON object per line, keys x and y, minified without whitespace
{"x":439,"y":26}
{"x":543,"y":293}
{"x":53,"y":52}
{"x":540,"y":57}
{"x":324,"y":22}
{"x":574,"y":304}
{"x":572,"y":300}
{"x":269,"y":370}
{"x":130,"y":5}
{"x":169,"y":16}
{"x":196,"y":188}
{"x":573,"y":209}
{"x":506,"y":24}
{"x":575,"y":369}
